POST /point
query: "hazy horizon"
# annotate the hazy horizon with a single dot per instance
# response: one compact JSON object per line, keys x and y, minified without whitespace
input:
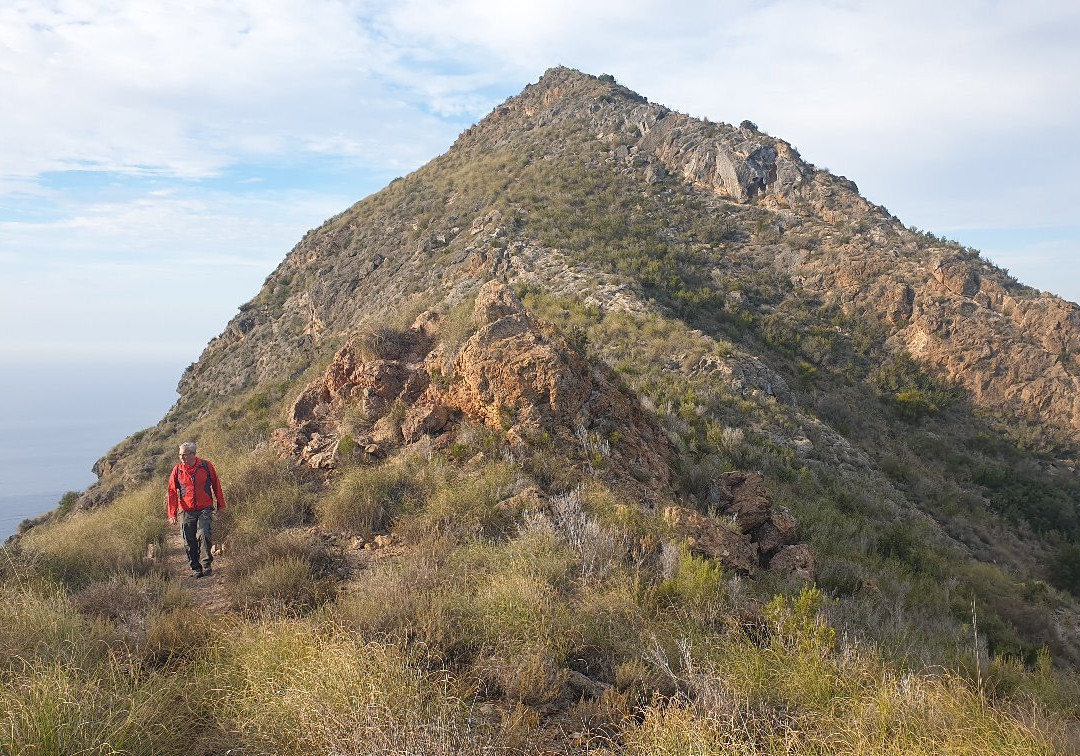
{"x":50,"y":435}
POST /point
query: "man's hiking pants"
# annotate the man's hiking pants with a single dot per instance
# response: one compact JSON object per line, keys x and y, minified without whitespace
{"x":196,"y":527}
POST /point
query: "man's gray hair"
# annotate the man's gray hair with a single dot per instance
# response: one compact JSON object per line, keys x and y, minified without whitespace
{"x":187,"y":446}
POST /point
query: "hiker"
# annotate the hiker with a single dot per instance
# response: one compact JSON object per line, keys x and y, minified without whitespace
{"x":194,"y":494}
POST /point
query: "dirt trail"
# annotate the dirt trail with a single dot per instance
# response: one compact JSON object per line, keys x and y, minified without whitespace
{"x":208,"y":592}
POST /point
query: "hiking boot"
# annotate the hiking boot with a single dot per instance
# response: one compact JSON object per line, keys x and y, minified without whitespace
{"x":208,"y":571}
{"x":196,"y":573}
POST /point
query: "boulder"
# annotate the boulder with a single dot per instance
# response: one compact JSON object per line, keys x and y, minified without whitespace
{"x":743,"y":497}
{"x":796,"y":560}
{"x":709,"y":537}
{"x":774,"y":533}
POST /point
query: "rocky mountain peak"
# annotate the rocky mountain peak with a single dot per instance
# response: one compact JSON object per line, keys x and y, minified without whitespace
{"x":583,"y":189}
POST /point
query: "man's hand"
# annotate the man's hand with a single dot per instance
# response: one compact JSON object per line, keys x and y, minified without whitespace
{"x":172,"y":520}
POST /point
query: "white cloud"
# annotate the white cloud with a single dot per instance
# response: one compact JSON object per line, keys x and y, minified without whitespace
{"x":180,"y":89}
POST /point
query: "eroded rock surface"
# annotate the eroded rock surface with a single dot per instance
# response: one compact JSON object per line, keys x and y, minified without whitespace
{"x":514,"y":374}
{"x":748,"y":532}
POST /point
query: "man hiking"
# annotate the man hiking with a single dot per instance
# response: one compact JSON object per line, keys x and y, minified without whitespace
{"x":194,"y":494}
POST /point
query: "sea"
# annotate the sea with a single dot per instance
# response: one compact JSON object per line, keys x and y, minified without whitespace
{"x":57,"y":420}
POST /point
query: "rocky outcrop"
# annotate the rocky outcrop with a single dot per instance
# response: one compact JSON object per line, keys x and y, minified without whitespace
{"x":524,"y":376}
{"x":747,"y":532}
{"x":1012,"y":349}
{"x":514,"y":375}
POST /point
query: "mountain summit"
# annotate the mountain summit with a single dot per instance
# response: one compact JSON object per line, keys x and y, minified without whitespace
{"x":480,"y":210}
{"x":622,"y":426}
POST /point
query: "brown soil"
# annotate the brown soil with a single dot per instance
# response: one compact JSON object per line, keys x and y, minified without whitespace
{"x":208,"y":592}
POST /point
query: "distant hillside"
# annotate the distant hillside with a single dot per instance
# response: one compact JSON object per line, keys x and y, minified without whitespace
{"x":630,"y":430}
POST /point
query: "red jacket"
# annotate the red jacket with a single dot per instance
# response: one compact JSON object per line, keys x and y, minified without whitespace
{"x":194,"y":487}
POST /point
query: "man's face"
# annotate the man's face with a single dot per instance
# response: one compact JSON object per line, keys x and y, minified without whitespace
{"x":187,"y":457}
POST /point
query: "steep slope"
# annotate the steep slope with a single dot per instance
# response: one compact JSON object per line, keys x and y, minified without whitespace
{"x":919,"y":391}
{"x":610,"y":428}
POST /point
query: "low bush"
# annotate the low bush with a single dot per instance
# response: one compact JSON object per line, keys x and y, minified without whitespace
{"x":288,"y":572}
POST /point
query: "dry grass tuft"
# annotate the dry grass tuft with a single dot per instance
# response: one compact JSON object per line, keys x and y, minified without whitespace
{"x":105,"y":542}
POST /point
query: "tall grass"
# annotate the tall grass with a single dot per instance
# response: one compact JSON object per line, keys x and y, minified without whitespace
{"x":39,"y":625}
{"x":795,"y":693}
{"x":285,"y":573}
{"x":264,"y":494}
{"x":293,"y":688}
{"x":103,"y":542}
{"x":365,"y":499}
{"x":107,"y":709}
{"x":68,"y":683}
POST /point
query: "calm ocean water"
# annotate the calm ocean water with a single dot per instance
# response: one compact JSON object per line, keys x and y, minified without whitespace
{"x":57,"y":420}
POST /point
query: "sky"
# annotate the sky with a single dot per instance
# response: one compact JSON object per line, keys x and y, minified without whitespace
{"x":158,"y":159}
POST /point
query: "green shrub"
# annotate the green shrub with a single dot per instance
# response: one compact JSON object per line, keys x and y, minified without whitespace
{"x":695,"y":590}
{"x":67,"y":503}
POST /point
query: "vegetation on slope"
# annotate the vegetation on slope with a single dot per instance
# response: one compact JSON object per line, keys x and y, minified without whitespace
{"x":499,"y":628}
{"x":940,"y":620}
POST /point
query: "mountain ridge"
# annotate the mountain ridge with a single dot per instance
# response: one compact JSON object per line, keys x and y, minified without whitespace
{"x":607,"y":428}
{"x":917,"y":281}
{"x":790,"y":273}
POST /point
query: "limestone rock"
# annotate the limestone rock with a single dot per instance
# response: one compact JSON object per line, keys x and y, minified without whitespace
{"x":387,"y":432}
{"x":956,"y":276}
{"x":495,"y":301}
